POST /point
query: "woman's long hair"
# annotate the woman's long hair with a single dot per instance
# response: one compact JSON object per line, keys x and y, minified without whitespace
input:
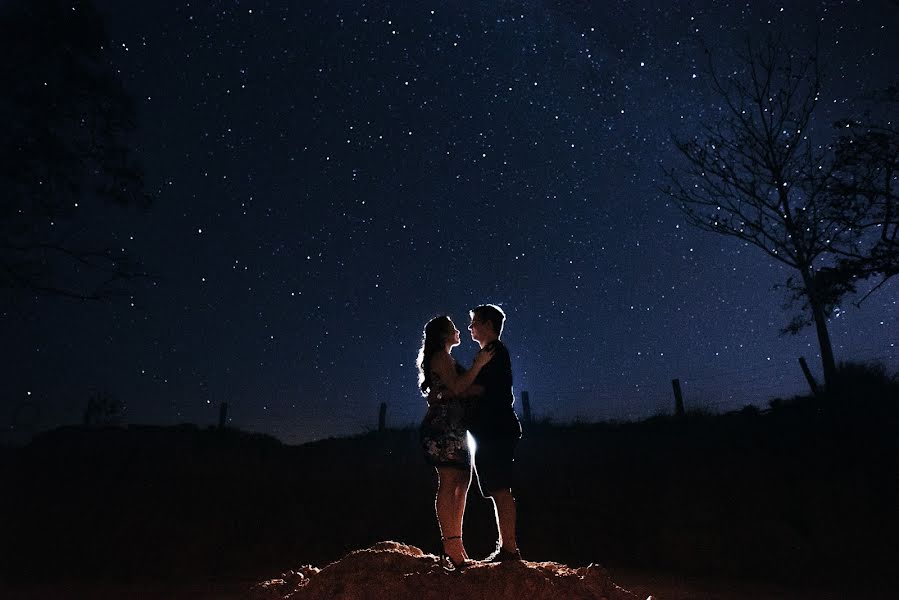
{"x":434,"y":339}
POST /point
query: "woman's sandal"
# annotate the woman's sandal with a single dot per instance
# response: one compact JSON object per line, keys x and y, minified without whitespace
{"x":446,"y":559}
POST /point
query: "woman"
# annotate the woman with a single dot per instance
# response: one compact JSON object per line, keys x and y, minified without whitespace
{"x":443,"y":435}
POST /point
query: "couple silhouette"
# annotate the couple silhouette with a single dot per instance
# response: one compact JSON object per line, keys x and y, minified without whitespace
{"x":477,"y":401}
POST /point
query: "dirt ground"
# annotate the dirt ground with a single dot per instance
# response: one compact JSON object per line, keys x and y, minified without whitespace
{"x":82,"y":590}
{"x":661,"y":586}
{"x":679,"y":587}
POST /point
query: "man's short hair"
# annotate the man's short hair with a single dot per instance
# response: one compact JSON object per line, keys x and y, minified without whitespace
{"x":491,"y":313}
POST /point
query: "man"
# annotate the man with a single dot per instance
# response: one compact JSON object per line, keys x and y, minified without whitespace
{"x":495,"y":427}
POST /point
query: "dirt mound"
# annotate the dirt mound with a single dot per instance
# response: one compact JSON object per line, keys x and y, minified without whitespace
{"x":391,"y":570}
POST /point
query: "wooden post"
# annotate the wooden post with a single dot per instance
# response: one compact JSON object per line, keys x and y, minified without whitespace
{"x":678,"y":398}
{"x":808,"y":376}
{"x":223,"y":415}
{"x":526,"y":407}
{"x":382,"y":417}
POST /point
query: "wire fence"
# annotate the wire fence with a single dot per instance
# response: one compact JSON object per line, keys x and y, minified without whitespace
{"x":711,"y":390}
{"x":717,"y":391}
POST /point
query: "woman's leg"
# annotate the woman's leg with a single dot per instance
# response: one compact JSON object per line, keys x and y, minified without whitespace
{"x":444,"y":502}
{"x":460,"y":496}
{"x":452,"y":487}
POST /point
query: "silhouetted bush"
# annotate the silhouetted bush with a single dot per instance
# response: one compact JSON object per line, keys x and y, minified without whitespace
{"x":867,"y":381}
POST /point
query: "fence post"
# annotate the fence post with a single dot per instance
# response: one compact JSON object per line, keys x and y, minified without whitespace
{"x":808,"y":376}
{"x":223,"y":415}
{"x":678,"y":398}
{"x":526,"y":407}
{"x":382,"y":417}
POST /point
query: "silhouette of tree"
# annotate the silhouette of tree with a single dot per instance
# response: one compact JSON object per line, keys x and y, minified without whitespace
{"x":755,"y":173}
{"x":103,"y":409}
{"x":864,"y":191}
{"x":64,"y":122}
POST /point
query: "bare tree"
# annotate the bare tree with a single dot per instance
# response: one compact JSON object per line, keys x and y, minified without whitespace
{"x":755,"y":173}
{"x":64,"y":122}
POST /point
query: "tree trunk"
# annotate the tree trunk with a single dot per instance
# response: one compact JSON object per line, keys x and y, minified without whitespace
{"x":827,"y":360}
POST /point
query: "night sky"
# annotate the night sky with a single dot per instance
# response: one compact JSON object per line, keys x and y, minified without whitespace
{"x":327,"y":176}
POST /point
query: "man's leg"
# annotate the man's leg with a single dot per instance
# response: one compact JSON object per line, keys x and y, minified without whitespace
{"x":495,"y":473}
{"x":504,"y":506}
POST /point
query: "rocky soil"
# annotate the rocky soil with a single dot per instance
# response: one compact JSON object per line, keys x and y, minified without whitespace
{"x":391,"y":571}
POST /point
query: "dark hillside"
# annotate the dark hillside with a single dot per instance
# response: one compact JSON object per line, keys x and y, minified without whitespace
{"x":807,"y":490}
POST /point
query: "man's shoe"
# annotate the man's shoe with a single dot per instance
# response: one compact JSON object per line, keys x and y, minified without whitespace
{"x":506,"y":555}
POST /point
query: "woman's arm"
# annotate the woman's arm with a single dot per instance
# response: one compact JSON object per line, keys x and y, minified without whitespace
{"x":457,"y":384}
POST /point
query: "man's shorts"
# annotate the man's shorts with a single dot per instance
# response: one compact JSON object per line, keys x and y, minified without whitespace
{"x":494,"y":462}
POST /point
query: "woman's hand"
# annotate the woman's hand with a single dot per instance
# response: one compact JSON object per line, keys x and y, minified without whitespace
{"x":435,"y":398}
{"x":482,"y":358}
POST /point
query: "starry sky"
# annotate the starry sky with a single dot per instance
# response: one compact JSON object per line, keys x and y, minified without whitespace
{"x":327,"y":176}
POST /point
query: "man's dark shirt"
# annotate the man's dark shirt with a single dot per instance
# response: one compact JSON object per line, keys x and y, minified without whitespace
{"x":492,"y":414}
